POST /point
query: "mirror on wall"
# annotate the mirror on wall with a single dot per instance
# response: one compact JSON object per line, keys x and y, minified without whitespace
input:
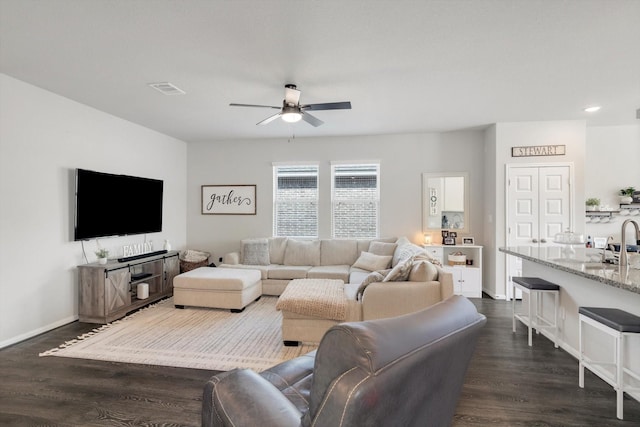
{"x":445,"y":201}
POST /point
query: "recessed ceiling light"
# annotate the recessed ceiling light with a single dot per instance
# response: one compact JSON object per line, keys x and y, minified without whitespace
{"x":592,"y":109}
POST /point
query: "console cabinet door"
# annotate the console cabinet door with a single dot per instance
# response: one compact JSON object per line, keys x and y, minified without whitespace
{"x":116,"y":291}
{"x":171,"y":270}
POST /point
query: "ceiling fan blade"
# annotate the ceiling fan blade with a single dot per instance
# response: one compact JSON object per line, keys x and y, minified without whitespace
{"x":254,"y":105}
{"x":314,"y":121}
{"x":269,"y":119}
{"x":328,"y":106}
{"x":291,"y":95}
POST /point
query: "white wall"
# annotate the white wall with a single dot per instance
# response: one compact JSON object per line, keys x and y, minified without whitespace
{"x":43,"y":138}
{"x":612,"y":162}
{"x":403,"y":159}
{"x":500,"y":139}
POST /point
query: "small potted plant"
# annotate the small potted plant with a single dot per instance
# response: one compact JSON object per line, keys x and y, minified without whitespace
{"x":593,"y":204}
{"x":102,"y":255}
{"x":626,"y":195}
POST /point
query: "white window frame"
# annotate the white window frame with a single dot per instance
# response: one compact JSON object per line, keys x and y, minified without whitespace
{"x":277,"y":169}
{"x":334,"y":199}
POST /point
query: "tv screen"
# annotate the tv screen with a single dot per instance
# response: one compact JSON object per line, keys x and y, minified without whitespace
{"x":116,"y":205}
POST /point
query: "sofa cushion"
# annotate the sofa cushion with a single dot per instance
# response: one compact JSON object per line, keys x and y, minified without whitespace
{"x":302,"y":252}
{"x":363,"y":245}
{"x":372,"y":262}
{"x":423,"y":271}
{"x":382,"y":248}
{"x":277,"y":246}
{"x":338,"y":252}
{"x":254,"y":252}
{"x":340,"y":272}
{"x":357,"y":275}
{"x":263,"y":269}
{"x":288,"y":271}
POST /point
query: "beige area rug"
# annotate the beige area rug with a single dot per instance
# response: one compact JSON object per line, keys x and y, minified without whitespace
{"x":199,"y":338}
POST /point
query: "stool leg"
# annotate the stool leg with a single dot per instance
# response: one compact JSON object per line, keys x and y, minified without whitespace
{"x":513,"y":306}
{"x":531,"y":294}
{"x":581,"y":355}
{"x":556,"y":296}
{"x":619,"y":376}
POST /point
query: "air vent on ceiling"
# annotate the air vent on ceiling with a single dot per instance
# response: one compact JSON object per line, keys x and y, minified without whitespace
{"x":167,"y":88}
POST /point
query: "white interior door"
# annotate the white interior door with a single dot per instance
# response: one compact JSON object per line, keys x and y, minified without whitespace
{"x":538,"y":207}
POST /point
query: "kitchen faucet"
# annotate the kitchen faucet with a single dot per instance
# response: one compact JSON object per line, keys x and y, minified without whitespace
{"x":624,"y":258}
{"x":604,"y":249}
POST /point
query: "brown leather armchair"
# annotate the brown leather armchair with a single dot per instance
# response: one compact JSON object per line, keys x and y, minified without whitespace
{"x":403,"y":371}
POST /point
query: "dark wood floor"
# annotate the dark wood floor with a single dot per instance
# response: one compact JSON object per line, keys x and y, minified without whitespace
{"x":508,"y":384}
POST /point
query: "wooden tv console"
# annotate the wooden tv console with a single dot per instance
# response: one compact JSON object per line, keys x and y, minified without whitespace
{"x":108,"y":291}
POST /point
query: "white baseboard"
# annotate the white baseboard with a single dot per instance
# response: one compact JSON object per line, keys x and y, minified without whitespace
{"x":33,"y":333}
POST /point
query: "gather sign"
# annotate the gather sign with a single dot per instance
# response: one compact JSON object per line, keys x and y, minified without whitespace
{"x":538,"y":150}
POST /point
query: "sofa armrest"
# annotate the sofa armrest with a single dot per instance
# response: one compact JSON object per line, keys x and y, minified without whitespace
{"x":231,"y":258}
{"x":390,"y":299}
{"x":244,"y":398}
{"x":446,"y":283}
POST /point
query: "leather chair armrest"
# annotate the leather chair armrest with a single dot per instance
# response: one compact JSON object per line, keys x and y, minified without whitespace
{"x":390,"y":299}
{"x":243,"y":398}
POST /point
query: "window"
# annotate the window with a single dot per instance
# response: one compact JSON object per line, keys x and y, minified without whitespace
{"x":295,"y":201}
{"x":355,"y":200}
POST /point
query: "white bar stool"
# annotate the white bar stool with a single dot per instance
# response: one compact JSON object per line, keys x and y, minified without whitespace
{"x":619,"y":325}
{"x":535,"y":288}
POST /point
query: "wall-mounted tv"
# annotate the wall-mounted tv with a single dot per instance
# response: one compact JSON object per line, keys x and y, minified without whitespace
{"x":116,"y":205}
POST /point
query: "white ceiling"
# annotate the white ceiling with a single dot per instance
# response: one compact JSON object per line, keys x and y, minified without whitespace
{"x":406,"y":66}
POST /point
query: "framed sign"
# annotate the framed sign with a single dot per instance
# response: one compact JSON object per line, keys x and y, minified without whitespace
{"x":538,"y":150}
{"x":228,"y":200}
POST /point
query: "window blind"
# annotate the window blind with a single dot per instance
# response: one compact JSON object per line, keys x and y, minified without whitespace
{"x":355,"y":200}
{"x":295,"y":201}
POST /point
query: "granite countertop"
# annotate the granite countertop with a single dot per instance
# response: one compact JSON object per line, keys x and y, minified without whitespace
{"x":584,"y":262}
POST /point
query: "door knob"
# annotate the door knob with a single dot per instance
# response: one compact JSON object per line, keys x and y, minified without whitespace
{"x":543,"y":240}
{"x":535,"y":240}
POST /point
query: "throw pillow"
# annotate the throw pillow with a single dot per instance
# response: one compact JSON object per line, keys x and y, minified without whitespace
{"x":371,"y":262}
{"x":302,"y":252}
{"x":406,"y":251}
{"x":382,"y":248}
{"x":400,"y":273}
{"x":423,"y":271}
{"x":371,"y":278}
{"x":255,"y":252}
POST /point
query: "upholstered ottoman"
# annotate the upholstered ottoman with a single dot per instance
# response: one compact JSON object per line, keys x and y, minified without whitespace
{"x":310,"y":307}
{"x":230,"y":288}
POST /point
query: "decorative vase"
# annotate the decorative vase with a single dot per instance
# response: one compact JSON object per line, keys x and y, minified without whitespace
{"x":102,"y":260}
{"x":167,"y":245}
{"x":626,"y":200}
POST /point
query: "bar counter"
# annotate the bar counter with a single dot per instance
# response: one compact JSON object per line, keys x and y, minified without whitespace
{"x":584,"y":282}
{"x":583,"y":262}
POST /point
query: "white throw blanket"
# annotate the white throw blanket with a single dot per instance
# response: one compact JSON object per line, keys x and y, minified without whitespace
{"x":323,"y":298}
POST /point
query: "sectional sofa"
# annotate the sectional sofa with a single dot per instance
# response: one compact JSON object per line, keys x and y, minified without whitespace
{"x":383,"y":277}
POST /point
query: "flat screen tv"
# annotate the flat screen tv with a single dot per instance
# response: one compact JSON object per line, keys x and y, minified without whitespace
{"x":116,"y":205}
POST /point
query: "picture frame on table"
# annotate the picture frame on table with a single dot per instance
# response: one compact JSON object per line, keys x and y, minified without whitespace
{"x":468,"y":241}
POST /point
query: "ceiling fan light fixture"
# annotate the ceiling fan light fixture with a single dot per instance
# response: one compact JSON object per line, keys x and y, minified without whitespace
{"x":291,"y":114}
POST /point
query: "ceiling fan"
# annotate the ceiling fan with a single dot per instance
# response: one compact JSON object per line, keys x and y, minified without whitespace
{"x":291,"y":110}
